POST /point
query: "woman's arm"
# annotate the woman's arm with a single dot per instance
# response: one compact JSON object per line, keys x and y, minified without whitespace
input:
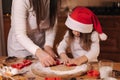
{"x":50,"y":35}
{"x":49,"y":40}
{"x":19,"y":24}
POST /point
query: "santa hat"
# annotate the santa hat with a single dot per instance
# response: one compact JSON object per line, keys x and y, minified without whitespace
{"x":84,"y":20}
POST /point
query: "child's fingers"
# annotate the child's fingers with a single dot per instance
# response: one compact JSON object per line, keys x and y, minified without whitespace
{"x":71,"y":61}
{"x":65,"y":61}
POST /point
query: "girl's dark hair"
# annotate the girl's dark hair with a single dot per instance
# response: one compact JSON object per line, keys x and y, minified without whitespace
{"x":85,"y":39}
{"x":41,"y":11}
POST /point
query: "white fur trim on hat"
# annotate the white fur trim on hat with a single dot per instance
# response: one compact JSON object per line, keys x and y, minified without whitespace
{"x":75,"y":25}
{"x":103,"y":36}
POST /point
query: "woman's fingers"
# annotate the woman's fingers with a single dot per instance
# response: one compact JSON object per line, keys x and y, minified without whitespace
{"x":51,"y":61}
{"x":48,"y":61}
{"x":45,"y":59}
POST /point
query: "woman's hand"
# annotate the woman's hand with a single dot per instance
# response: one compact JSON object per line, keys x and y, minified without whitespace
{"x":50,"y":51}
{"x":44,"y":58}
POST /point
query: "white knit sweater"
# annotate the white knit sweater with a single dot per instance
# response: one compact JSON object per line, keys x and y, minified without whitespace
{"x":77,"y":50}
{"x":22,"y":22}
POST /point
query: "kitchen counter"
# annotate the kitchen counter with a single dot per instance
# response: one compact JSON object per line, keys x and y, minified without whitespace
{"x":30,"y":76}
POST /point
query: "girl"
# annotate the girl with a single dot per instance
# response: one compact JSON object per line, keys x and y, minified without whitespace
{"x":82,"y":36}
{"x":33,"y":29}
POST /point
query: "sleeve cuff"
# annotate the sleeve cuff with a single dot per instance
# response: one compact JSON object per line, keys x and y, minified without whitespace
{"x":48,"y":43}
{"x":33,"y":49}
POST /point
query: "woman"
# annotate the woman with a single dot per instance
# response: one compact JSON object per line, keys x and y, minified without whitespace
{"x":33,"y":28}
{"x":84,"y":32}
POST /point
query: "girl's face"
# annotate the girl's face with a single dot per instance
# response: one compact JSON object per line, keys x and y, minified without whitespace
{"x":76,"y":33}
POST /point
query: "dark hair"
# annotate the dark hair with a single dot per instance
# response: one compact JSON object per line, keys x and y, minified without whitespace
{"x":41,"y":11}
{"x":85,"y":39}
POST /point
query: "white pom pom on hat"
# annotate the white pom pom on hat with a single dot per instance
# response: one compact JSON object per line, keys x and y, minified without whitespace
{"x":84,"y":20}
{"x":103,"y":36}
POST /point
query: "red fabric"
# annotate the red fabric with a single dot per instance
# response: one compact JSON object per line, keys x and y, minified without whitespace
{"x":22,"y":64}
{"x":93,"y":73}
{"x":53,"y":78}
{"x":86,"y":16}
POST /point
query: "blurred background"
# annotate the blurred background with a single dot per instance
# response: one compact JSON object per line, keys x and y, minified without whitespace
{"x":108,"y":12}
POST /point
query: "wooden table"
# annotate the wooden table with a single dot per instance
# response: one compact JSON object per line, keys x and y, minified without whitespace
{"x":30,"y":76}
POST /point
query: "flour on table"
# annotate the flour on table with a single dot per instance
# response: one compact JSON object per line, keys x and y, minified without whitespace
{"x":39,"y":68}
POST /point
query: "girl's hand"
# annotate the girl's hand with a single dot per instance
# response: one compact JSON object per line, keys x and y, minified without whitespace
{"x":50,"y":51}
{"x":44,"y":58}
{"x":78,"y":61}
{"x":73,"y":61}
{"x":64,"y":58}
